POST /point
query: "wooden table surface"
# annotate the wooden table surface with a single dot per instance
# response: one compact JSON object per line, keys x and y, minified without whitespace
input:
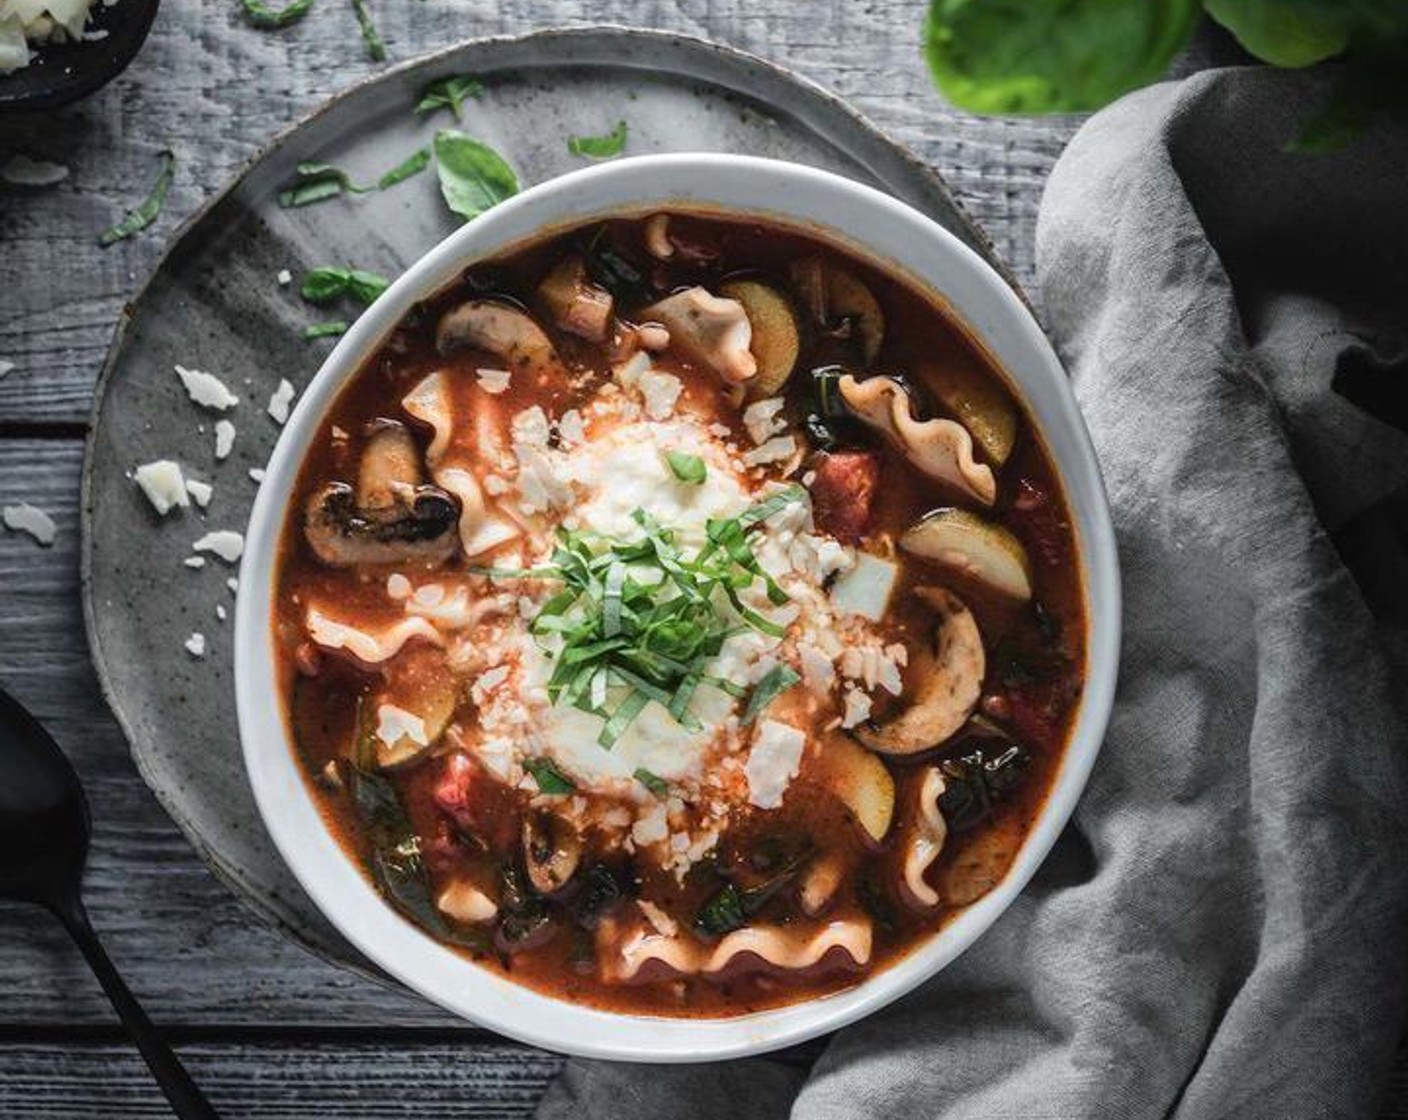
{"x":268,"y":1030}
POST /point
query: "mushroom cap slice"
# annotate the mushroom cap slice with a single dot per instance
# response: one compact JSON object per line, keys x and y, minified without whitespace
{"x":552,"y":851}
{"x":776,"y":341}
{"x":941,"y":448}
{"x":971,"y":546}
{"x":979,"y":865}
{"x":949,"y":676}
{"x":861,"y":782}
{"x":708,"y":329}
{"x":978,"y":402}
{"x":577,"y":305}
{"x":831,"y":293}
{"x":497,"y":328}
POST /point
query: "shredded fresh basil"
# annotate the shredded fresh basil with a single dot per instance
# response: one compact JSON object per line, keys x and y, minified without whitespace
{"x":328,"y":284}
{"x":266,"y":17}
{"x":775,"y":682}
{"x":687,"y":468}
{"x":473,"y":177}
{"x":413,"y":164}
{"x":449,"y":93}
{"x":316,"y":182}
{"x":376,"y":49}
{"x":599,"y":147}
{"x":653,"y":782}
{"x":145,"y":214}
{"x":325,"y":330}
{"x":549,"y":778}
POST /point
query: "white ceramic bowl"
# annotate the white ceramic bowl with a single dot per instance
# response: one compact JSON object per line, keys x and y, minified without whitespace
{"x":870,"y":224}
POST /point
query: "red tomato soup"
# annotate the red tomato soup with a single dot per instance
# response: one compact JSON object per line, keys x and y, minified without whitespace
{"x":680,"y":616}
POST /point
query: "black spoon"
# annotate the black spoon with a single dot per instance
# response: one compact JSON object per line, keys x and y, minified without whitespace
{"x":43,"y":845}
{"x":64,"y":72}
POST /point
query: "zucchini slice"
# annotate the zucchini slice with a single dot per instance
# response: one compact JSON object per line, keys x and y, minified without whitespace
{"x":965,"y":543}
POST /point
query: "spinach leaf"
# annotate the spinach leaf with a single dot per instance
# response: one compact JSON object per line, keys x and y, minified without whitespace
{"x":145,"y":214}
{"x":722,"y":914}
{"x":524,"y":913}
{"x":1051,"y":56}
{"x":975,"y":782}
{"x":376,"y":49}
{"x":266,"y":17}
{"x":599,"y":147}
{"x":473,"y":177}
{"x":600,"y":891}
{"x":449,"y":93}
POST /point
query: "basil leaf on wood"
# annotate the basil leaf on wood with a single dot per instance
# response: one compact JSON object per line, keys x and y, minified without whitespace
{"x":376,"y":49}
{"x":145,"y":214}
{"x":473,"y":177}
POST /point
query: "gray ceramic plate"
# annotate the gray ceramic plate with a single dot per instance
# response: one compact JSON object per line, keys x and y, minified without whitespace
{"x":214,"y":304}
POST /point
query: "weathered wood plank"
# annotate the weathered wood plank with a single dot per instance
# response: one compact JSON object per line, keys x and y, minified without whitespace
{"x":278,"y":1080}
{"x":216,"y":89}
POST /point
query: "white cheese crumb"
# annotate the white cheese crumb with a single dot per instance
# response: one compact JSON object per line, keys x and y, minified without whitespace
{"x":256,"y":474}
{"x":25,"y":518}
{"x":233,"y":584}
{"x":195,"y":644}
{"x":818,"y":673}
{"x":21,"y":171}
{"x":194,"y":561}
{"x":224,"y":438}
{"x":530,"y":427}
{"x":651,"y":827}
{"x":285,"y":278}
{"x":200,"y":491}
{"x":395,"y":724}
{"x":280,"y":400}
{"x":398,"y":586}
{"x":773,"y":762}
{"x":857,"y":707}
{"x":163,"y":484}
{"x":774,"y":450}
{"x":225,"y":543}
{"x":206,"y":389}
{"x":762,"y":419}
{"x":660,"y":391}
{"x":571,"y":428}
{"x":493,"y":381}
{"x":865,"y":589}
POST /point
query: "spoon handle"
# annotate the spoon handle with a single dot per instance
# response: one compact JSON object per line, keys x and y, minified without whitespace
{"x":186,"y":1099}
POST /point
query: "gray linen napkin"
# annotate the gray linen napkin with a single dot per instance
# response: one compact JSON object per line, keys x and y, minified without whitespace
{"x":1221,"y":930}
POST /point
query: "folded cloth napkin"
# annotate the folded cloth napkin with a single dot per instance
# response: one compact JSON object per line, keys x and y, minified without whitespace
{"x":1221,"y":931}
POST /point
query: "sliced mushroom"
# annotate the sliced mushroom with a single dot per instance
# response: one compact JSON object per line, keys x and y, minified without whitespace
{"x":710,"y":330}
{"x":940,"y":448}
{"x":576,"y":304}
{"x":775,"y":343}
{"x":949,"y":677}
{"x":552,"y":851}
{"x":966,"y":544}
{"x":820,"y":882}
{"x":981,"y":405}
{"x":927,"y":833}
{"x":390,"y":516}
{"x":833,"y":294}
{"x":861,"y":782}
{"x":500,"y":329}
{"x":978,"y":866}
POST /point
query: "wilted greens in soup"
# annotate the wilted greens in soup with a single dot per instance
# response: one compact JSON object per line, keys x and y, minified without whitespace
{"x":679,"y":615}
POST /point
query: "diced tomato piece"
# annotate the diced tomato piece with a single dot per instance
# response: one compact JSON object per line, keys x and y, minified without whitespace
{"x":473,"y":801}
{"x":1041,"y":524}
{"x":1037,"y":709}
{"x":843,"y":493}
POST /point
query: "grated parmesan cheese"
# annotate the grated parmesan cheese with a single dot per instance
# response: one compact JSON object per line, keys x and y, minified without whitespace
{"x":224,"y":438}
{"x":493,"y":381}
{"x":224,"y":543}
{"x":195,"y":645}
{"x":280,"y":400}
{"x":201,"y":492}
{"x":206,"y":389}
{"x":163,"y":484}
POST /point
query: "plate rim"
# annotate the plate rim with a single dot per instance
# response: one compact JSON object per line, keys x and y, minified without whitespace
{"x":229,"y":876}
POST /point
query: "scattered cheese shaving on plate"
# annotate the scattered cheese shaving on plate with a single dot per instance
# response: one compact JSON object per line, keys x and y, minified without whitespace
{"x":163,"y":484}
{"x":201,"y":492}
{"x":206,"y":389}
{"x":195,"y":644}
{"x":279,"y":402}
{"x":224,"y":438}
{"x":224,"y":543}
{"x":21,"y":171}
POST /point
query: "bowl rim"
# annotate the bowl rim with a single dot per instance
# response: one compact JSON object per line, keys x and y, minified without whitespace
{"x":640,"y":185}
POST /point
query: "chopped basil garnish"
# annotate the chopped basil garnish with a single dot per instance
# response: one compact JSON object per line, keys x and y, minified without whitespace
{"x":315,"y":182}
{"x":687,"y":468}
{"x":449,"y":93}
{"x":145,"y":214}
{"x":413,"y":164}
{"x":549,"y":778}
{"x":327,"y":284}
{"x":473,"y":177}
{"x":777,"y":681}
{"x":376,"y":49}
{"x":599,"y":147}
{"x":266,"y":17}
{"x":653,"y":782}
{"x":325,"y":330}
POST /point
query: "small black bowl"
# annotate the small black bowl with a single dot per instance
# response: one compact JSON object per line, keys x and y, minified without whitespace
{"x":63,"y":72}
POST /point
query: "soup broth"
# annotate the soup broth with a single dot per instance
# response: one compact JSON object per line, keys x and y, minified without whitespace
{"x":680,"y":615}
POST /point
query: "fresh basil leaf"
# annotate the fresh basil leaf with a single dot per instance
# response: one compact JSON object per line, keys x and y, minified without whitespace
{"x":145,"y":214}
{"x":413,"y":164}
{"x":599,"y":147}
{"x":1051,"y":56}
{"x":1289,"y":33}
{"x":687,"y":468}
{"x":549,"y":778}
{"x":376,"y":49}
{"x":326,"y":284}
{"x":775,"y":682}
{"x":473,"y":177}
{"x":622,"y":718}
{"x":307,"y":193}
{"x":366,"y":287}
{"x":266,"y":17}
{"x":653,"y":782}
{"x":449,"y":93}
{"x":325,"y":330}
